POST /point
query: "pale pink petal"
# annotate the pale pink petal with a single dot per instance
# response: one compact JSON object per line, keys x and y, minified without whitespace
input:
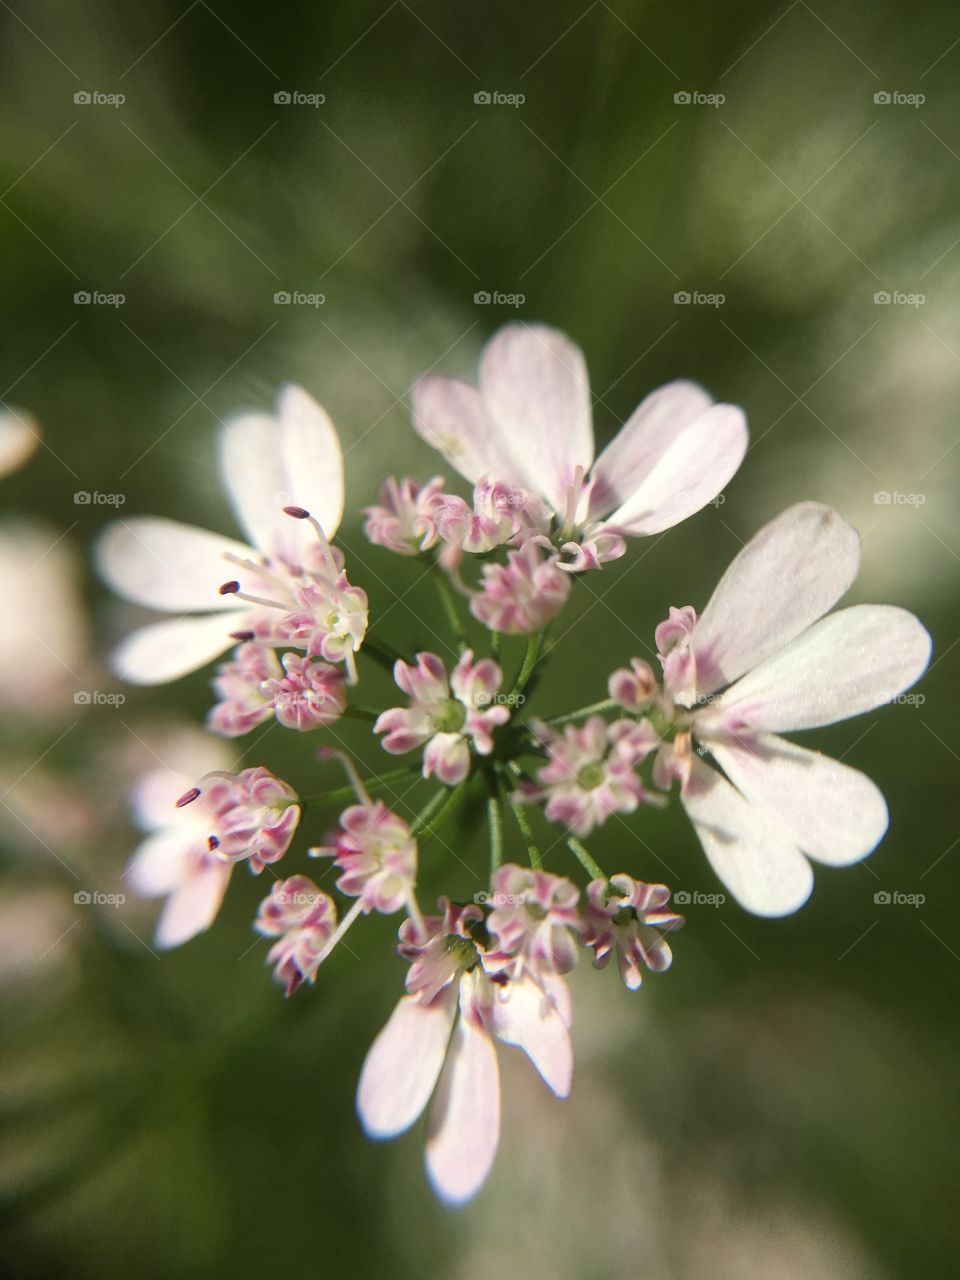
{"x":451,"y":416}
{"x":464,"y":1126}
{"x":534,"y":382}
{"x":753,"y":855}
{"x":786,"y":577}
{"x":525,"y":1016}
{"x":166,"y":651}
{"x":645,"y":436}
{"x":163,"y":564}
{"x":832,"y":812}
{"x":848,"y":663}
{"x":691,"y":470}
{"x":293,"y":459}
{"x":194,"y":906}
{"x":403,"y":1064}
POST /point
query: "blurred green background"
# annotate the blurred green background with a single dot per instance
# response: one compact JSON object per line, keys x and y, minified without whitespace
{"x":783,"y":1103}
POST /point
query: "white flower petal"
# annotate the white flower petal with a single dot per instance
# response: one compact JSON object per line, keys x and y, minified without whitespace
{"x":165,"y":651}
{"x":534,"y":382}
{"x":645,"y":436}
{"x":451,"y":416}
{"x":155,"y":796}
{"x":402,"y":1066}
{"x":159,"y":863}
{"x":464,"y":1126}
{"x":691,"y":470}
{"x":753,"y":856}
{"x":163,"y":564}
{"x":848,"y":663}
{"x":788,"y":575}
{"x":194,"y":906}
{"x":526,"y":1017}
{"x":291,"y":460}
{"x":833,"y":813}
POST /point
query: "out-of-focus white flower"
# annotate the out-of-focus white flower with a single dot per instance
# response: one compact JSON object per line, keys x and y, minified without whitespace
{"x":19,"y":438}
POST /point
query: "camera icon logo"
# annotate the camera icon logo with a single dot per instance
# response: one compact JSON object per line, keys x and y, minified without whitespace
{"x":682,"y":98}
{"x":82,"y":898}
{"x":82,"y":498}
{"x":82,"y":298}
{"x":482,"y":98}
{"x":282,"y":98}
{"x":882,"y":98}
{"x":882,"y":898}
{"x":282,"y":298}
{"x":82,"y":698}
{"x":482,"y":298}
{"x":82,"y":98}
{"x":682,"y":898}
{"x":481,"y":898}
{"x":682,"y":298}
{"x":881,"y":298}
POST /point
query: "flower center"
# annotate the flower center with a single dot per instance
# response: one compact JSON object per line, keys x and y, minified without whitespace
{"x":590,"y":776}
{"x":449,"y":717}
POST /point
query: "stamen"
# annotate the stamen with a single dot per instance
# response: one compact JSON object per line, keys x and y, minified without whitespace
{"x":301,"y":513}
{"x":243,"y":636}
{"x":573,"y":498}
{"x":261,"y":570}
{"x":341,"y":929}
{"x":233,"y":589}
{"x":331,"y":753}
{"x":188,"y":797}
{"x":213,"y":844}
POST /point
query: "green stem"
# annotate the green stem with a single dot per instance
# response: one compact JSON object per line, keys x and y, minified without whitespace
{"x":496,"y":644}
{"x":382,"y":654}
{"x":429,"y":809}
{"x":449,"y":603}
{"x":361,"y":713}
{"x":608,"y":704}
{"x":494,"y":823}
{"x":533,"y":853}
{"x":342,"y":794}
{"x":450,"y":806}
{"x":589,"y":865}
{"x":529,"y":662}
